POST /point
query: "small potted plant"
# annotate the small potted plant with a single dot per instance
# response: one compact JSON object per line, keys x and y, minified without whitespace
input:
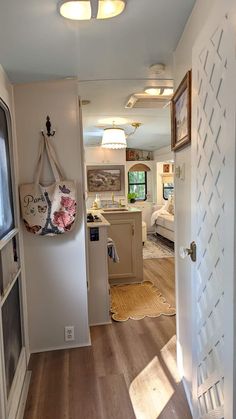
{"x":131,"y":197}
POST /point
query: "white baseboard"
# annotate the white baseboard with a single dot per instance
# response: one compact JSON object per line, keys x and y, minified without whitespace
{"x":59,"y":348}
{"x":100,"y":324}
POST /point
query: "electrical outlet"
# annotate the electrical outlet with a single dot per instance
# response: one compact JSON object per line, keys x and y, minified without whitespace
{"x":69,"y":333}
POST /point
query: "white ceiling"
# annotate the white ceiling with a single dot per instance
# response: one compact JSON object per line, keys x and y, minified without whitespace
{"x":107,"y":105}
{"x":36,"y":43}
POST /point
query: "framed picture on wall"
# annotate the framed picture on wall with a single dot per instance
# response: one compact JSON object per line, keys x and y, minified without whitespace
{"x":105,"y":179}
{"x":181,"y":114}
{"x":166,"y":168}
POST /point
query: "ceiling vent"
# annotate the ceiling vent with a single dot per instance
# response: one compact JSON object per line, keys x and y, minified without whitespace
{"x":143,"y":100}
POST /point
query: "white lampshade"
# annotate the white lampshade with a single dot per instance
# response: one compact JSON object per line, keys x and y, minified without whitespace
{"x":82,"y":10}
{"x":114,"y":138}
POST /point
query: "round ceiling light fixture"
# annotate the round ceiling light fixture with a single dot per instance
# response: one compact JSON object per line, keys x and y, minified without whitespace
{"x":91,"y":9}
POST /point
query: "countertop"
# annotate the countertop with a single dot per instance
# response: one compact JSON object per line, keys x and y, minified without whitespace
{"x":101,"y":213}
{"x":122,"y":210}
{"x":102,"y":223}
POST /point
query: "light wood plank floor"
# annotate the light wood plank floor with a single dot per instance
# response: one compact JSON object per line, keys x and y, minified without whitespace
{"x":94,"y":382}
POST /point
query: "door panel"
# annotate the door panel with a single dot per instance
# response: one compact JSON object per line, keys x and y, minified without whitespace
{"x":213,"y":148}
{"x":122,"y":233}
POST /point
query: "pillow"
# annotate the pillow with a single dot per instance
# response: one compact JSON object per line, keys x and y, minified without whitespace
{"x":171,"y":209}
{"x":169,"y":205}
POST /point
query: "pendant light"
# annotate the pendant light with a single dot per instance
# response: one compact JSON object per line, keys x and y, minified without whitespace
{"x":114,"y":138}
{"x":91,"y":9}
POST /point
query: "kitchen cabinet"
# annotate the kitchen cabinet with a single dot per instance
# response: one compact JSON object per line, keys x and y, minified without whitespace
{"x":126,"y":232}
{"x":98,"y":285}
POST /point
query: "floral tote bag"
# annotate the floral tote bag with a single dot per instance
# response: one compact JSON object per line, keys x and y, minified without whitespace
{"x":48,"y":210}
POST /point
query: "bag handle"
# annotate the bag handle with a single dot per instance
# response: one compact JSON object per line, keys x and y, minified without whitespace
{"x":51,"y":152}
{"x":45,"y":146}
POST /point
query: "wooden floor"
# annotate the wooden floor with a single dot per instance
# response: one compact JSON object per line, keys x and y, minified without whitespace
{"x":95,"y":382}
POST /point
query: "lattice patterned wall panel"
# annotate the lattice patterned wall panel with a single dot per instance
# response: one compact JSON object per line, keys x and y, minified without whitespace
{"x":211,"y":107}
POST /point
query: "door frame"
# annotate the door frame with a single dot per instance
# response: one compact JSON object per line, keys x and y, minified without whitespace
{"x":9,"y":408}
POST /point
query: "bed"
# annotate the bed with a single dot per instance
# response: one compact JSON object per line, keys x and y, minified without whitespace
{"x":163,"y":222}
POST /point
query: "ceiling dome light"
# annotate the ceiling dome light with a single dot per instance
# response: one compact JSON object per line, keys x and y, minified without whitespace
{"x":110,"y":8}
{"x":88,"y":9}
{"x":76,"y":10}
{"x":114,"y":138}
{"x":153,"y":91}
{"x":159,"y":91}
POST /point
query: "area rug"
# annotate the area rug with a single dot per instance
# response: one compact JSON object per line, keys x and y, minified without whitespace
{"x":154,"y":248}
{"x":136,"y":301}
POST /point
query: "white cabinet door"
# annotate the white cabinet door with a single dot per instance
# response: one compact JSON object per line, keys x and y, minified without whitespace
{"x":213,"y":157}
{"x":122,"y":233}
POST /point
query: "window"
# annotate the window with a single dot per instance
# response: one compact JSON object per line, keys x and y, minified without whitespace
{"x":138,"y":184}
{"x":168,"y":190}
{"x":6,"y":205}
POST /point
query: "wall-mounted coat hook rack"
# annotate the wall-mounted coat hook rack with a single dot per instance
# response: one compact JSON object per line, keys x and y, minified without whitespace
{"x":48,"y":126}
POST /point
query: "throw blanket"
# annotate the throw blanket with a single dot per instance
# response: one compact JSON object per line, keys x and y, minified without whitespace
{"x":111,"y":250}
{"x":156,"y":214}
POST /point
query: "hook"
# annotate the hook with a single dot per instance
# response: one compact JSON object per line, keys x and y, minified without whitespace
{"x":48,"y":126}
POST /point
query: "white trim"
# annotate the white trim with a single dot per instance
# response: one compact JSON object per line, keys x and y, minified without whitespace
{"x":6,"y":239}
{"x":9,"y":287}
{"x":17,"y":385}
{"x":99,"y":324}
{"x":9,"y":407}
{"x":59,"y":348}
{"x":24,"y":395}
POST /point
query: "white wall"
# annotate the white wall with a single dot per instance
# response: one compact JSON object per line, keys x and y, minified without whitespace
{"x":183,"y":63}
{"x":163,"y":155}
{"x":55,"y":266}
{"x":151,"y":179}
{"x":100,"y":156}
{"x":159,"y":185}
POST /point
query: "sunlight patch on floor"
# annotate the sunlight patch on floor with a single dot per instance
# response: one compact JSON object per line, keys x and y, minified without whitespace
{"x":150,"y":391}
{"x":168,"y":353}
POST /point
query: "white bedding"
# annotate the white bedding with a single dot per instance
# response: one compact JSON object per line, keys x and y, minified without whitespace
{"x":163,"y":221}
{"x":158,"y":213}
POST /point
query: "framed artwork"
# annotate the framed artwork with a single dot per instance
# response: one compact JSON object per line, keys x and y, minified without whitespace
{"x":166,"y":168}
{"x":105,"y":179}
{"x":138,"y":155}
{"x":181,"y":114}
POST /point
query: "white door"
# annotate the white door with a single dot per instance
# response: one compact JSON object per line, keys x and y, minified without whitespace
{"x":213,"y":219}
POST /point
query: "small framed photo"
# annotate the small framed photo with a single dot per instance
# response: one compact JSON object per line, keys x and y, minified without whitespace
{"x":166,"y":168}
{"x":181,"y":114}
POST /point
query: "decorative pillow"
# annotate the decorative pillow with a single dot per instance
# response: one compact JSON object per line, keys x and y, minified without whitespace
{"x":171,"y":209}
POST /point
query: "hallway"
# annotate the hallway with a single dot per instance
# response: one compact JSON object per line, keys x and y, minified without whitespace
{"x":125,"y":362}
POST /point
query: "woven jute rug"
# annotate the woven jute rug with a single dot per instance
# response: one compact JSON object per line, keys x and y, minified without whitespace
{"x":136,"y":301}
